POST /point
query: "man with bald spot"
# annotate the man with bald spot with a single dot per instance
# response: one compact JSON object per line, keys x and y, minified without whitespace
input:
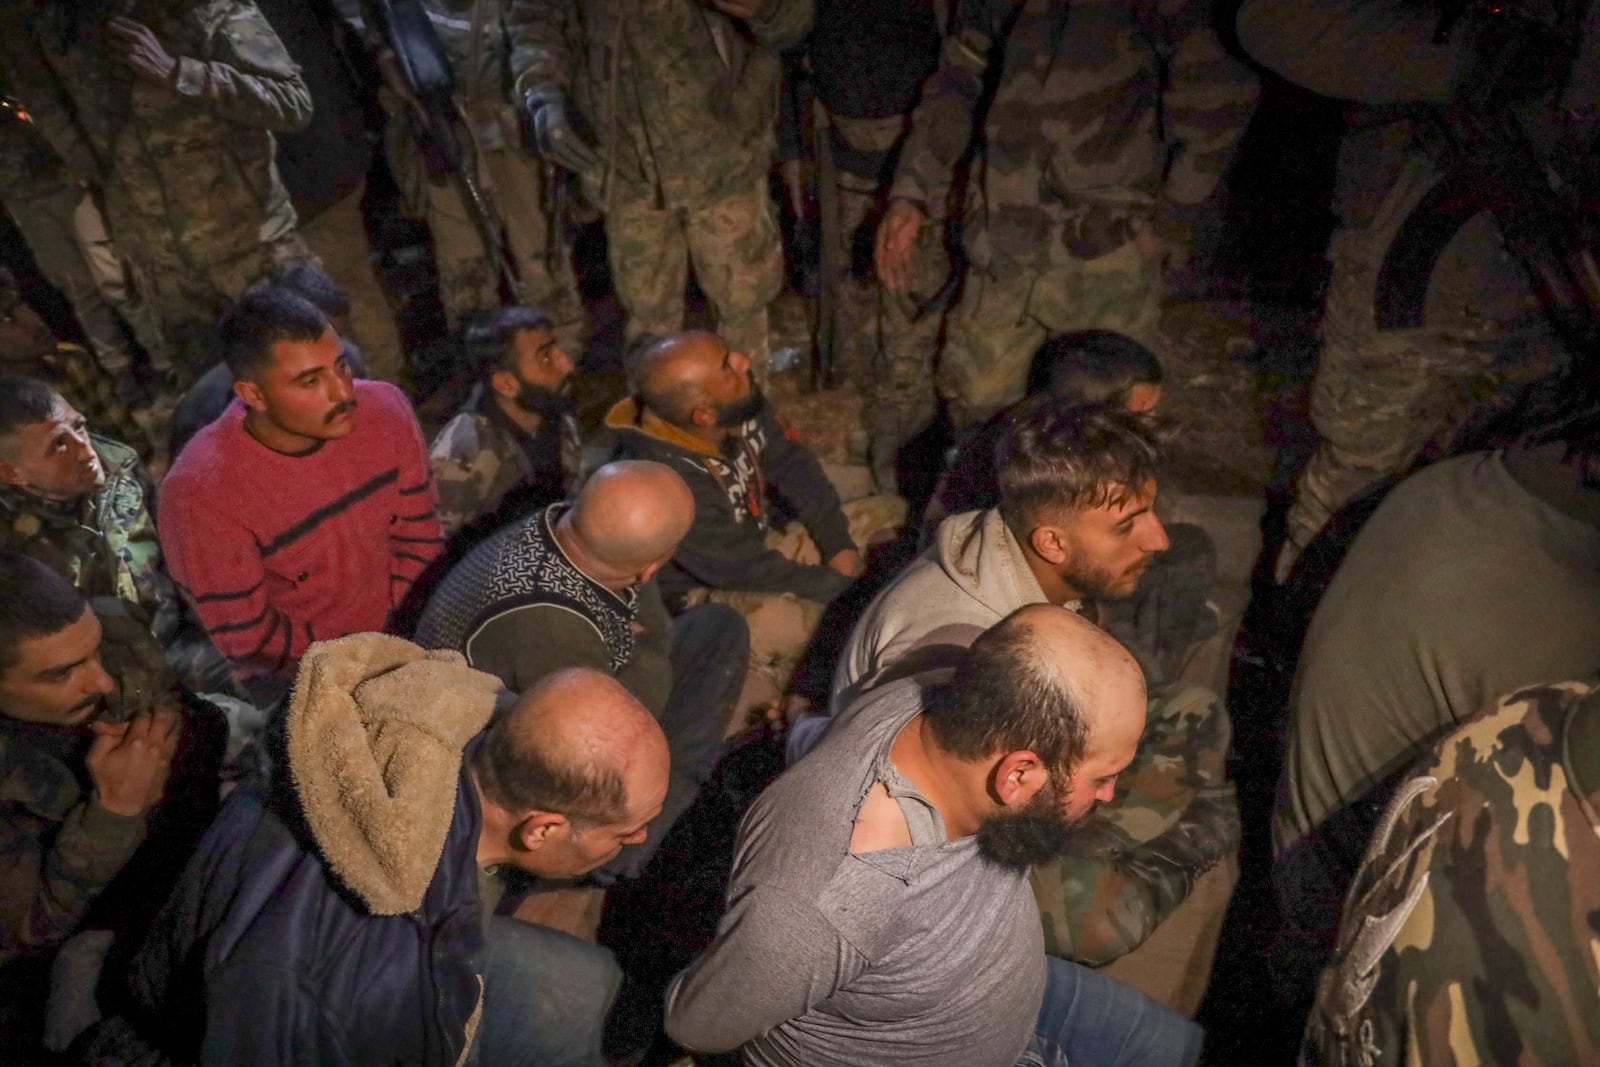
{"x":879,"y":909}
{"x":572,"y":586}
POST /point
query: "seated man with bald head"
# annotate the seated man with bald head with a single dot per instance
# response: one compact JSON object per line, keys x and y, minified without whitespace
{"x":572,"y":586}
{"x":346,"y":914}
{"x":879,"y":909}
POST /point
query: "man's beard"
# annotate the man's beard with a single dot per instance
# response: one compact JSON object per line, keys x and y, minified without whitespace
{"x":739,"y":412}
{"x":1097,"y":583}
{"x":1035,"y":833}
{"x":542,"y":400}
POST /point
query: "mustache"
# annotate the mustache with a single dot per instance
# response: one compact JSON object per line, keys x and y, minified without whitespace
{"x":340,"y":409}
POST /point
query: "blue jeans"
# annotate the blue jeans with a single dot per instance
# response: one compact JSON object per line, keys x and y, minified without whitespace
{"x":1093,"y":1020}
{"x":545,"y":997}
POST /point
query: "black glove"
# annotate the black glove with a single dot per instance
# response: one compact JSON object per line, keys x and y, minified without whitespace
{"x":559,"y":132}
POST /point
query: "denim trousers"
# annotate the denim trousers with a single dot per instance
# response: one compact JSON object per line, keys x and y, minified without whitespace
{"x":1090,"y":1019}
{"x":545,"y":997}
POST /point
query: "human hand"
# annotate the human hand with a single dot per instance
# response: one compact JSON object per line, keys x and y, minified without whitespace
{"x":135,"y":46}
{"x":781,"y":712}
{"x":847,"y":563}
{"x":740,"y":9}
{"x":897,"y":237}
{"x":1151,"y":246}
{"x":560,"y":133}
{"x":129,"y":762}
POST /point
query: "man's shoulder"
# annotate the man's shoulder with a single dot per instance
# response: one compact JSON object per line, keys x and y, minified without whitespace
{"x":466,"y":435}
{"x":34,"y":782}
{"x":207,"y":462}
{"x":384,"y":399}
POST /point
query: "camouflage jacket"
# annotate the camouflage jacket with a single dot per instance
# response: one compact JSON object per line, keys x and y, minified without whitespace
{"x":1104,"y":115}
{"x":682,"y":98}
{"x":105,"y":543}
{"x":481,"y":463}
{"x":191,"y":165}
{"x":1469,"y":933}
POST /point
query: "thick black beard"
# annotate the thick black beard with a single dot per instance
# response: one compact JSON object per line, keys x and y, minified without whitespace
{"x":1034,"y":834}
{"x":739,"y":412}
{"x":539,"y":400}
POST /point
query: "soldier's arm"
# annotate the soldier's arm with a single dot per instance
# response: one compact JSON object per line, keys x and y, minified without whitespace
{"x":47,"y":884}
{"x":1208,"y":101}
{"x":247,"y":77}
{"x":1372,"y":51}
{"x":464,"y":473}
{"x":541,"y":33}
{"x":29,"y":79}
{"x":942,"y":122}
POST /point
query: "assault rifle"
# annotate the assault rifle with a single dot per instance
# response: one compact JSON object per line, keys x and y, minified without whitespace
{"x":425,"y":67}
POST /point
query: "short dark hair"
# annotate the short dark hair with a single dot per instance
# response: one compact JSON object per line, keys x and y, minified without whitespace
{"x":35,"y":601}
{"x":260,"y":319}
{"x":1003,"y":698}
{"x":1093,"y":367}
{"x":309,"y":283}
{"x":514,"y":773}
{"x":23,"y":402}
{"x":1057,"y":455}
{"x":488,"y":340}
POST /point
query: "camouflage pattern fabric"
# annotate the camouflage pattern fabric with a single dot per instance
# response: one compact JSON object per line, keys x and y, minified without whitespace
{"x":1469,"y":936}
{"x":477,"y":461}
{"x":682,"y":100}
{"x":192,"y":193}
{"x":1137,"y":858}
{"x":737,"y":253}
{"x":105,"y":543}
{"x":78,"y":377}
{"x":1106,"y":117}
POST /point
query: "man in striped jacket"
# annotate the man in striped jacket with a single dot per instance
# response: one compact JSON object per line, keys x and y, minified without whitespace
{"x":307,"y":509}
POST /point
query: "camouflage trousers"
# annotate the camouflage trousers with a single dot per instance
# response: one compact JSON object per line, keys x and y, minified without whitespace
{"x":67,"y":236}
{"x":1380,"y":395}
{"x":998,"y":324}
{"x":514,"y":185}
{"x":734,"y":246}
{"x":884,"y":347}
{"x":337,"y":236}
{"x":781,"y":624}
{"x":1139,"y":858}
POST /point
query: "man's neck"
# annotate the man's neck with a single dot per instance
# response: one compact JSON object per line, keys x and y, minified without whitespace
{"x":277,"y":439}
{"x":581,"y":558}
{"x":941,"y":777}
{"x":529,"y":422}
{"x":1057,"y":590}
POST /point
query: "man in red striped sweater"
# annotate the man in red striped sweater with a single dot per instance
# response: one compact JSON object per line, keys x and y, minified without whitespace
{"x":307,"y":509}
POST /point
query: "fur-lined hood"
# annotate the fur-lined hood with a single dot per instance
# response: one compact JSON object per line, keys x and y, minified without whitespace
{"x":375,"y":730}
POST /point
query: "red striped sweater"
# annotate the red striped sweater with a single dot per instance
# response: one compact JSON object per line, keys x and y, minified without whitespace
{"x":276,"y":551}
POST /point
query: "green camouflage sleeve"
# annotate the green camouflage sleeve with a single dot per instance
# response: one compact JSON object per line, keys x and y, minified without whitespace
{"x":1469,"y":933}
{"x":247,"y":77}
{"x":1175,"y":817}
{"x":56,"y":852}
{"x":465,"y":472}
{"x":942,"y":122}
{"x":1207,"y":102}
{"x":783,"y":23}
{"x":542,"y":44}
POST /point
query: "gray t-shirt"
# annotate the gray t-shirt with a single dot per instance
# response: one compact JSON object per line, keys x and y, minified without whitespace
{"x":927,"y":955}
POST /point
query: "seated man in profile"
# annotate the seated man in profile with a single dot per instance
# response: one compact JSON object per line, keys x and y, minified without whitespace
{"x":878,"y":910}
{"x":514,"y":446}
{"x":573,"y":585}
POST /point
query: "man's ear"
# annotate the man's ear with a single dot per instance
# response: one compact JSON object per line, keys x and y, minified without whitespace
{"x":1049,"y":543}
{"x":250,"y":393}
{"x":9,"y":475}
{"x":505,"y":384}
{"x":702,"y":415}
{"x":1018,"y":777}
{"x":537,"y":828}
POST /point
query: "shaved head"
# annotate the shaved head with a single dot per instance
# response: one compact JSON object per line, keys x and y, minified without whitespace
{"x":695,"y":382}
{"x":631,"y":514}
{"x":577,"y":744}
{"x":1081,"y":660}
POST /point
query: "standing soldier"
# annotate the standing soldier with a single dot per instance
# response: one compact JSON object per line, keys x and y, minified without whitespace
{"x":1109,"y":124}
{"x":477,"y":41}
{"x":665,"y":114}
{"x":178,"y":101}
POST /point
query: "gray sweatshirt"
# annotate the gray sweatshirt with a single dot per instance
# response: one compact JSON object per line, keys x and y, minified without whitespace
{"x":927,"y":955}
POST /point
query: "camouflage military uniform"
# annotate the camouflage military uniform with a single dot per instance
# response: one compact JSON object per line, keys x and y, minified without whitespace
{"x":684,"y":100}
{"x":479,"y":459}
{"x":105,"y":543}
{"x":1107,"y":117}
{"x":1380,"y":395}
{"x":512,"y":181}
{"x":1468,"y":936}
{"x":192,"y":192}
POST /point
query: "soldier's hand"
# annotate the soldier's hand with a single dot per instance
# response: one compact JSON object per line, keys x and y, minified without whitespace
{"x":847,"y":563}
{"x":740,"y":9}
{"x":134,"y":46}
{"x":896,"y":239}
{"x":129,"y":762}
{"x":560,"y":133}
